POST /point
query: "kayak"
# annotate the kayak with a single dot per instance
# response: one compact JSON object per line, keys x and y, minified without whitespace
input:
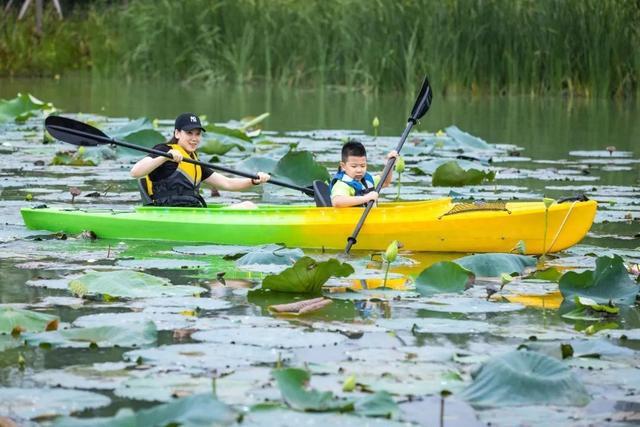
{"x":424,"y":226}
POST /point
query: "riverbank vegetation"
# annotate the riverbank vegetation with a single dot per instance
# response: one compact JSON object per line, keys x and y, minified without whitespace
{"x":572,"y":47}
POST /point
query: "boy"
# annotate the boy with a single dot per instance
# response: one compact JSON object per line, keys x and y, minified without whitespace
{"x":352,"y":185}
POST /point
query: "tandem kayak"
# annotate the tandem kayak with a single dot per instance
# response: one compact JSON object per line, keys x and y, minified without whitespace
{"x":424,"y":226}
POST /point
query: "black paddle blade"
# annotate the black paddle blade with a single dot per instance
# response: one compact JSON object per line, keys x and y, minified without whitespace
{"x":74,"y":132}
{"x":423,"y":102}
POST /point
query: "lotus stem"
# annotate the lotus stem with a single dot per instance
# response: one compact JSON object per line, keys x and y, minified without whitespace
{"x":399,"y":185}
{"x":386,"y":274}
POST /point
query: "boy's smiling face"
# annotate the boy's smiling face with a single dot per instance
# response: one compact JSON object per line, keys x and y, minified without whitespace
{"x":355,"y":167}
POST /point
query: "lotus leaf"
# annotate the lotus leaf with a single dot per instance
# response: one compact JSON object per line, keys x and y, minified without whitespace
{"x":450,"y":174}
{"x":206,"y":356}
{"x":82,"y":157}
{"x":493,"y":265}
{"x":258,"y":163}
{"x":269,"y":337}
{"x":551,"y":274}
{"x":201,"y":410}
{"x":226,"y":131}
{"x":22,"y":107}
{"x":434,"y":325}
{"x":131,"y":284}
{"x":445,"y":276}
{"x":99,"y":376}
{"x":466,"y":140}
{"x":292,"y":382}
{"x":163,"y":387}
{"x":16,"y":320}
{"x":610,"y":282}
{"x":525,"y":378}
{"x":132,"y":127}
{"x":283,"y":417}
{"x":271,"y":255}
{"x":143,"y":137}
{"x":30,"y":403}
{"x":300,"y":168}
{"x":306,"y":276}
{"x":132,"y":335}
{"x":163,"y":321}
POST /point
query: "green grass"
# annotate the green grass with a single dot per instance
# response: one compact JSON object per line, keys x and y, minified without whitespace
{"x":572,"y":47}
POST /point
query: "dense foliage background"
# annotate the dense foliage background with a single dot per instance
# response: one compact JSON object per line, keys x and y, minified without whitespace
{"x":581,"y":47}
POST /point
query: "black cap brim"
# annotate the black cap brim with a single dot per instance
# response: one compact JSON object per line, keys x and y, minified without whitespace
{"x":192,"y":127}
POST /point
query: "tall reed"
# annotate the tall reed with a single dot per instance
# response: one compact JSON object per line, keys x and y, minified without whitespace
{"x":573,"y":47}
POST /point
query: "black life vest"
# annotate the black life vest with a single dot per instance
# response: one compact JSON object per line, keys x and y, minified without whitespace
{"x":182,"y":187}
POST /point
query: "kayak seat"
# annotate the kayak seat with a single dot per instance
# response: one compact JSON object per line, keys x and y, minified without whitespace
{"x":321,"y":194}
{"x":144,"y":192}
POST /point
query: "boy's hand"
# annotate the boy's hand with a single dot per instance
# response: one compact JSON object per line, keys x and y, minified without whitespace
{"x":373,"y":195}
{"x":393,"y":154}
{"x":177,"y":156}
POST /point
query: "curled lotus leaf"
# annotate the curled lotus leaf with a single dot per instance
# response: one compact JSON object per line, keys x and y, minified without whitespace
{"x":523,"y":378}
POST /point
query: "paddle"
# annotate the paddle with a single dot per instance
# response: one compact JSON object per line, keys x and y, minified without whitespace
{"x":423,"y":102}
{"x":79,"y":133}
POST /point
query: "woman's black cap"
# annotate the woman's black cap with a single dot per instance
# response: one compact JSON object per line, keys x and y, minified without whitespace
{"x":188,"y":121}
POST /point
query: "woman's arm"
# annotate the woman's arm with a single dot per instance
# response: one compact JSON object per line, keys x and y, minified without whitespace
{"x":146,"y":165}
{"x":222,"y":182}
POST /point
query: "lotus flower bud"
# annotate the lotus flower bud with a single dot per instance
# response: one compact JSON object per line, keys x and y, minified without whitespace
{"x":376,"y":122}
{"x":392,"y":252}
{"x":349,"y":383}
{"x":399,"y":166}
{"x":547,"y":202}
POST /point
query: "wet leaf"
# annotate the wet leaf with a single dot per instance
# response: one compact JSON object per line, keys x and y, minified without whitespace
{"x":467,"y":141}
{"x":195,"y":411}
{"x":443,"y":277}
{"x":450,"y":174}
{"x":306,"y":276}
{"x":609,"y":282}
{"x":132,"y":335}
{"x":30,"y":403}
{"x":551,"y":274}
{"x":17,"y":320}
{"x":131,"y":284}
{"x":525,"y":378}
{"x":270,"y":255}
{"x":292,"y":383}
{"x":22,"y":107}
{"x":493,"y":265}
{"x":163,"y":387}
{"x":269,"y":337}
{"x":300,"y":168}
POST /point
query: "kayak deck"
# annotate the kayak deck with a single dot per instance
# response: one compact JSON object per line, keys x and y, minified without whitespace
{"x":430,"y":226}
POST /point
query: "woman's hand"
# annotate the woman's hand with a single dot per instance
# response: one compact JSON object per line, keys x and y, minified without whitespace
{"x":177,"y":156}
{"x":392,"y":154}
{"x":262,"y":178}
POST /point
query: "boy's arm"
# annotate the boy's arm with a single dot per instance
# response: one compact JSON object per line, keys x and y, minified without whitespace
{"x":348,"y":201}
{"x":387,"y":182}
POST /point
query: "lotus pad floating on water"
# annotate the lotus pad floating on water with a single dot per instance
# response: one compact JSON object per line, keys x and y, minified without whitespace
{"x":198,"y":410}
{"x":17,"y":320}
{"x":525,"y":378}
{"x":129,"y":284}
{"x":30,"y":403}
{"x":132,"y":335}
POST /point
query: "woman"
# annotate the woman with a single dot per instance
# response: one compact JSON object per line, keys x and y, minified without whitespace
{"x":172,"y":182}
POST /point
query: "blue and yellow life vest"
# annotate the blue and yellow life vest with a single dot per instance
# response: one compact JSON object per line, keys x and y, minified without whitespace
{"x":361,"y":187}
{"x":182,"y":187}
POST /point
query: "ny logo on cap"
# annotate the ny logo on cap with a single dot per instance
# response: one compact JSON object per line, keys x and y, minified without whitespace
{"x":193,"y":119}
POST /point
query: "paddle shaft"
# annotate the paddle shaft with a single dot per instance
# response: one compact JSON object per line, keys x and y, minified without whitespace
{"x":351,"y":240}
{"x":108,"y":140}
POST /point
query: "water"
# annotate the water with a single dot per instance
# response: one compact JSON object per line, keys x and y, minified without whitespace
{"x":547,"y":130}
